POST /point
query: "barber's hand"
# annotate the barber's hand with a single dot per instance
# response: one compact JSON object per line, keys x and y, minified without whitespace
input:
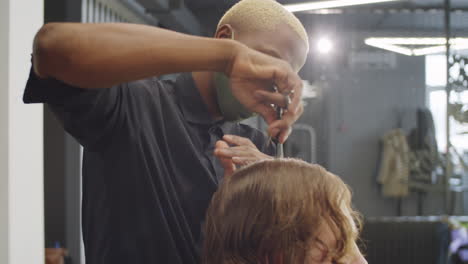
{"x":253,"y":75}
{"x":241,"y":152}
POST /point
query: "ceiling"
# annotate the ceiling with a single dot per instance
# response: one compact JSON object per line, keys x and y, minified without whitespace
{"x":202,"y":4}
{"x":420,"y":16}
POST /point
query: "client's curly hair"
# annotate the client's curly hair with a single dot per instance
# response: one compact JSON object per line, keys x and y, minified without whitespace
{"x":276,"y":207}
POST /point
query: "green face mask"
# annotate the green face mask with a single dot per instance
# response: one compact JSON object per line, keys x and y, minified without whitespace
{"x":230,"y":107}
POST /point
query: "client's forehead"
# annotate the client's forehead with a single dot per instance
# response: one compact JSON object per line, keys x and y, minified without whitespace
{"x":327,"y":236}
{"x":324,"y":243}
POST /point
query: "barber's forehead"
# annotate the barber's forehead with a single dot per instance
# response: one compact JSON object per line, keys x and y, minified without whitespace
{"x":263,"y":15}
{"x":281,"y":43}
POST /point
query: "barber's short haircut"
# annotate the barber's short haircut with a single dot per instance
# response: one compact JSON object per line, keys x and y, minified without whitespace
{"x":277,"y":207}
{"x":262,"y":15}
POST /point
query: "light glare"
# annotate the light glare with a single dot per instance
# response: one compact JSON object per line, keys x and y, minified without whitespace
{"x":437,"y":45}
{"x":324,"y":46}
{"x":331,"y":4}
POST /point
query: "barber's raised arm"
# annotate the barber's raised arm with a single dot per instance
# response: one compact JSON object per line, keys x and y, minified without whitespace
{"x":103,"y":55}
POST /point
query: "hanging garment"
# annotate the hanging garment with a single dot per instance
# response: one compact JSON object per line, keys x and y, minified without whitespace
{"x":394,"y":169}
{"x":424,"y":155}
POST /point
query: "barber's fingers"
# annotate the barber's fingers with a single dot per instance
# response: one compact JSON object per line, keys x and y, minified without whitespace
{"x":227,"y":163}
{"x":242,"y":161}
{"x":240,"y":151}
{"x":221,"y":144}
{"x":288,"y":82}
{"x":284,"y":135}
{"x":219,"y":147}
{"x":267,"y":112}
{"x":281,"y":129}
{"x":238,"y":141}
{"x":277,"y":99}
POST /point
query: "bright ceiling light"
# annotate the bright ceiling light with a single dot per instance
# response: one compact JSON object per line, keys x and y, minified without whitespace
{"x":436,"y":45}
{"x":324,"y":46}
{"x":418,"y":41}
{"x":437,"y":49}
{"x":429,"y":50}
{"x":331,"y":4}
{"x":389,"y":47}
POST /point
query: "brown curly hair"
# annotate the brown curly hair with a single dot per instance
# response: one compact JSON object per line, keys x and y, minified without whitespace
{"x":276,"y":207}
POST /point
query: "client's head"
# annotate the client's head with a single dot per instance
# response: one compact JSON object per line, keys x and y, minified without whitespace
{"x":281,"y":211}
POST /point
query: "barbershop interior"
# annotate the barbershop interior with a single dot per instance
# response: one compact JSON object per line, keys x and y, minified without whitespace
{"x":385,"y":108}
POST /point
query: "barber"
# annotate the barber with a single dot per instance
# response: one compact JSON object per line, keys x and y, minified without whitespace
{"x":148,"y":166}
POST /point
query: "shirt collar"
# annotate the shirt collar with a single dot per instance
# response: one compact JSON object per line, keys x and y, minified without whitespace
{"x":190,"y":101}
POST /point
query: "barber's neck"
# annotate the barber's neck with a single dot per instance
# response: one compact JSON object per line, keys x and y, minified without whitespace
{"x":205,"y":85}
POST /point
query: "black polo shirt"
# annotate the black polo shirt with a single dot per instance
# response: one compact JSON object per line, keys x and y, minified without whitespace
{"x":148,"y":165}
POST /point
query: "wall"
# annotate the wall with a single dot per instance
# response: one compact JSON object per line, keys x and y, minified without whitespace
{"x":4,"y":177}
{"x":54,"y":180}
{"x":356,"y":106}
{"x":359,"y":105}
{"x":21,"y":151}
{"x":61,"y":161}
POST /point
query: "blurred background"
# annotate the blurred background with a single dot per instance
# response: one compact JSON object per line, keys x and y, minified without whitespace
{"x":386,"y":110}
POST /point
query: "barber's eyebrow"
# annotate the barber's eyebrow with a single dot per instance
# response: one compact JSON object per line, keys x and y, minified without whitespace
{"x":275,"y":53}
{"x":270,"y":52}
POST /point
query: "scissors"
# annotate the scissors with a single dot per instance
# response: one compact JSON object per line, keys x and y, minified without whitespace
{"x":279,"y":146}
{"x":279,"y":116}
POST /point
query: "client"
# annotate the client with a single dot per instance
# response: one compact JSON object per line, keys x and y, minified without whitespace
{"x":282,"y":211}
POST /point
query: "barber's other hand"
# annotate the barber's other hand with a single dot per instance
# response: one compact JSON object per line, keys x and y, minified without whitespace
{"x":253,"y":75}
{"x":241,"y":152}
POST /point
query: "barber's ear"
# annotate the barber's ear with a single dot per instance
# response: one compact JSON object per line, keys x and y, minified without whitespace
{"x":225,"y":31}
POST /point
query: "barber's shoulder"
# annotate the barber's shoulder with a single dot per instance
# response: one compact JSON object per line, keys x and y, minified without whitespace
{"x":149,"y":84}
{"x":151,"y":91}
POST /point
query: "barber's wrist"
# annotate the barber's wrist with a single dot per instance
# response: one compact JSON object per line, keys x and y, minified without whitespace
{"x":228,"y":49}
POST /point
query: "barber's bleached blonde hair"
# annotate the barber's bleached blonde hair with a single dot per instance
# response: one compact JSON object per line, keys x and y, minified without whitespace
{"x":262,"y":15}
